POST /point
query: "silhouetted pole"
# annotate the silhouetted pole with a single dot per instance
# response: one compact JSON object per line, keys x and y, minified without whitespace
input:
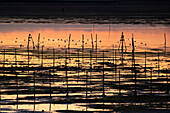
{"x":90,"y":65}
{"x":16,"y":78}
{"x":103,"y":76}
{"x":29,"y":37}
{"x":83,"y":48}
{"x":145,"y":65}
{"x":53,"y":62}
{"x":38,"y":45}
{"x":42,"y":56}
{"x":167,"y":90}
{"x":34,"y":90}
{"x":113,"y":59}
{"x":167,"y":81}
{"x":92,"y":42}
{"x":15,"y":57}
{"x":119,"y":84}
{"x":122,"y":41}
{"x":96,"y":48}
{"x":133,"y":51}
{"x":28,"y":48}
{"x":4,"y":69}
{"x":151,"y":82}
{"x":86,"y":83}
{"x":66,"y":71}
{"x":50,"y":83}
{"x":69,"y":40}
{"x":113,"y":54}
{"x":78,"y":63}
{"x":4,"y":60}
{"x":16,"y":87}
{"x":133,"y":59}
{"x":115,"y":65}
{"x":3,"y":72}
{"x":165,"y":42}
{"x":158,"y":65}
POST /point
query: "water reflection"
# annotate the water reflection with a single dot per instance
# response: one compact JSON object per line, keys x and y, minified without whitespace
{"x":56,"y":35}
{"x":68,"y":71}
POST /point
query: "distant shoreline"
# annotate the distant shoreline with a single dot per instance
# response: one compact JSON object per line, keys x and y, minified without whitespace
{"x":84,"y":20}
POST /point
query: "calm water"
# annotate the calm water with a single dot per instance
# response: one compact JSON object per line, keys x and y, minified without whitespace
{"x":152,"y":35}
{"x":41,"y":81}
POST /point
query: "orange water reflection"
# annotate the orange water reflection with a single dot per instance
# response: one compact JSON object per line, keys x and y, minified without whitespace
{"x":16,"y":34}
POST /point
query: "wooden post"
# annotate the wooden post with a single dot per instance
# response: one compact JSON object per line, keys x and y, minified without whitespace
{"x":158,"y":65}
{"x":92,"y":42}
{"x":69,"y":40}
{"x":119,"y":84}
{"x":167,"y":81}
{"x":83,"y":48}
{"x":165,"y":42}
{"x":103,"y":76}
{"x":113,"y":54}
{"x":15,"y":58}
{"x":28,"y":47}
{"x":86,"y":83}
{"x":17,"y":88}
{"x":90,"y":65}
{"x":151,"y":82}
{"x":145,"y":66}
{"x":66,"y":71}
{"x":4,"y":60}
{"x":167,"y":90}
{"x":122,"y":44}
{"x":34,"y":90}
{"x":53,"y":62}
{"x":78,"y":63}
{"x":16,"y":77}
{"x":38,"y":45}
{"x":133,"y":60}
{"x":96,"y":48}
{"x":50,"y":82}
{"x":133,"y":51}
{"x":42,"y":57}
{"x":115,"y":66}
